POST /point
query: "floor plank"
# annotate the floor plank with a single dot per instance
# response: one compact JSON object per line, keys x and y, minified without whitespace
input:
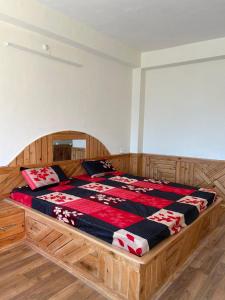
{"x":27,"y":275}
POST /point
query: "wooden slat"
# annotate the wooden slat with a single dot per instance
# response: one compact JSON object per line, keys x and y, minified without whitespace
{"x":26,"y":155}
{"x":41,"y":150}
{"x":49,"y":149}
{"x":32,"y":153}
{"x":190,"y":171}
{"x":44,"y":150}
{"x":20,"y":159}
{"x":38,"y":147}
{"x":12,"y":220}
{"x":40,"y":153}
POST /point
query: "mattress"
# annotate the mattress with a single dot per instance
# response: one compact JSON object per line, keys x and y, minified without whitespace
{"x":130,"y":212}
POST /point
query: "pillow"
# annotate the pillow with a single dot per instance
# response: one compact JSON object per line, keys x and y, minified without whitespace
{"x":62,"y":176}
{"x":97,"y":168}
{"x":40,"y":177}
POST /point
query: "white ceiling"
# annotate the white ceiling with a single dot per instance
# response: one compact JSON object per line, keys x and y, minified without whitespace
{"x":149,"y":24}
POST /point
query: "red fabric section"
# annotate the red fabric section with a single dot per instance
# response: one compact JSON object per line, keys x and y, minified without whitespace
{"x":139,"y":198}
{"x":117,"y":217}
{"x":22,"y":198}
{"x":118,"y":173}
{"x":60,"y":188}
{"x":28,"y":180}
{"x":88,"y":178}
{"x":85,"y":206}
{"x":114,"y":216}
{"x":152,"y":201}
{"x":122,"y":194}
{"x":65,"y":182}
{"x":162,"y":187}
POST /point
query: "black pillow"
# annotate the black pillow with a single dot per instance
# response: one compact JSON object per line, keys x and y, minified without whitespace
{"x":96,"y":168}
{"x":62,"y":176}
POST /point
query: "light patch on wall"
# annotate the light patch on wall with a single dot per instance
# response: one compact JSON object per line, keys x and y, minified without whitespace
{"x":184,"y":110}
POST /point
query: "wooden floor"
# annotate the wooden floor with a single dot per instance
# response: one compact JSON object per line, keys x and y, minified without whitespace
{"x":204,"y":276}
{"x":25,"y":274}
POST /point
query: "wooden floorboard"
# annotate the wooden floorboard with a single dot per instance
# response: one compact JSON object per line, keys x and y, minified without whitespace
{"x":25,"y":274}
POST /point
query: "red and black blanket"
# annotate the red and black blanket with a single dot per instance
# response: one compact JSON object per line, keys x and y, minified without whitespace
{"x":130,"y":212}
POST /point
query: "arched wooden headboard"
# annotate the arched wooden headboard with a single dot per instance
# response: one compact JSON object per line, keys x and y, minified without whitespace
{"x":40,"y":153}
{"x":41,"y":150}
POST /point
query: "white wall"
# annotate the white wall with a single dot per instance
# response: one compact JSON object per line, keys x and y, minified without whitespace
{"x":185,"y":110}
{"x":39,"y":96}
{"x":32,"y":15}
{"x":194,"y":52}
{"x":176,"y":110}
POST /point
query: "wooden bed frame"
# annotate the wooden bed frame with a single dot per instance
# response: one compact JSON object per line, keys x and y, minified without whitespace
{"x":114,"y":272}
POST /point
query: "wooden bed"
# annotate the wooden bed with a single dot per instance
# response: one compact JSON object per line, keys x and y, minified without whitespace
{"x":115,"y":273}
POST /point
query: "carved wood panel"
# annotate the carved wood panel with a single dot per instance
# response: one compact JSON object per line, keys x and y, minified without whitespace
{"x":191,"y":171}
{"x":111,"y":274}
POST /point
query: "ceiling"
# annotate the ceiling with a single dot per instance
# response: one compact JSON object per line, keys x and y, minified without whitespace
{"x":149,"y":24}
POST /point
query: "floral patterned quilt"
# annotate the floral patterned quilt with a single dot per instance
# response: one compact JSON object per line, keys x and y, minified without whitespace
{"x":130,"y":212}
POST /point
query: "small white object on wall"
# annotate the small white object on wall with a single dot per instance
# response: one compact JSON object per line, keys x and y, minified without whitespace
{"x":45,"y":47}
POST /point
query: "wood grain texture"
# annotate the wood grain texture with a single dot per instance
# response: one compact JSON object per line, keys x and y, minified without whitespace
{"x":93,"y":264}
{"x":40,"y":153}
{"x":41,"y":150}
{"x":204,"y":275}
{"x":190,"y":171}
{"x":34,"y":275}
{"x":78,"y":153}
{"x":173,"y":255}
{"x":25,"y":274}
{"x":115,"y":273}
{"x":11,"y":224}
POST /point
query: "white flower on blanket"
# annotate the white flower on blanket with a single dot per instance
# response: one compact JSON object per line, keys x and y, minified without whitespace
{"x":57,"y":210}
{"x":66,"y":213}
{"x":123,"y":179}
{"x":136,"y":189}
{"x":61,"y":218}
{"x":106,"y":164}
{"x":66,"y":216}
{"x":97,"y":187}
{"x":156,"y":181}
{"x":107,"y":199}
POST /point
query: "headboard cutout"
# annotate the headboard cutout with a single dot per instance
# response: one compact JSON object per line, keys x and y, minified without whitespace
{"x":41,"y":150}
{"x":40,"y":153}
